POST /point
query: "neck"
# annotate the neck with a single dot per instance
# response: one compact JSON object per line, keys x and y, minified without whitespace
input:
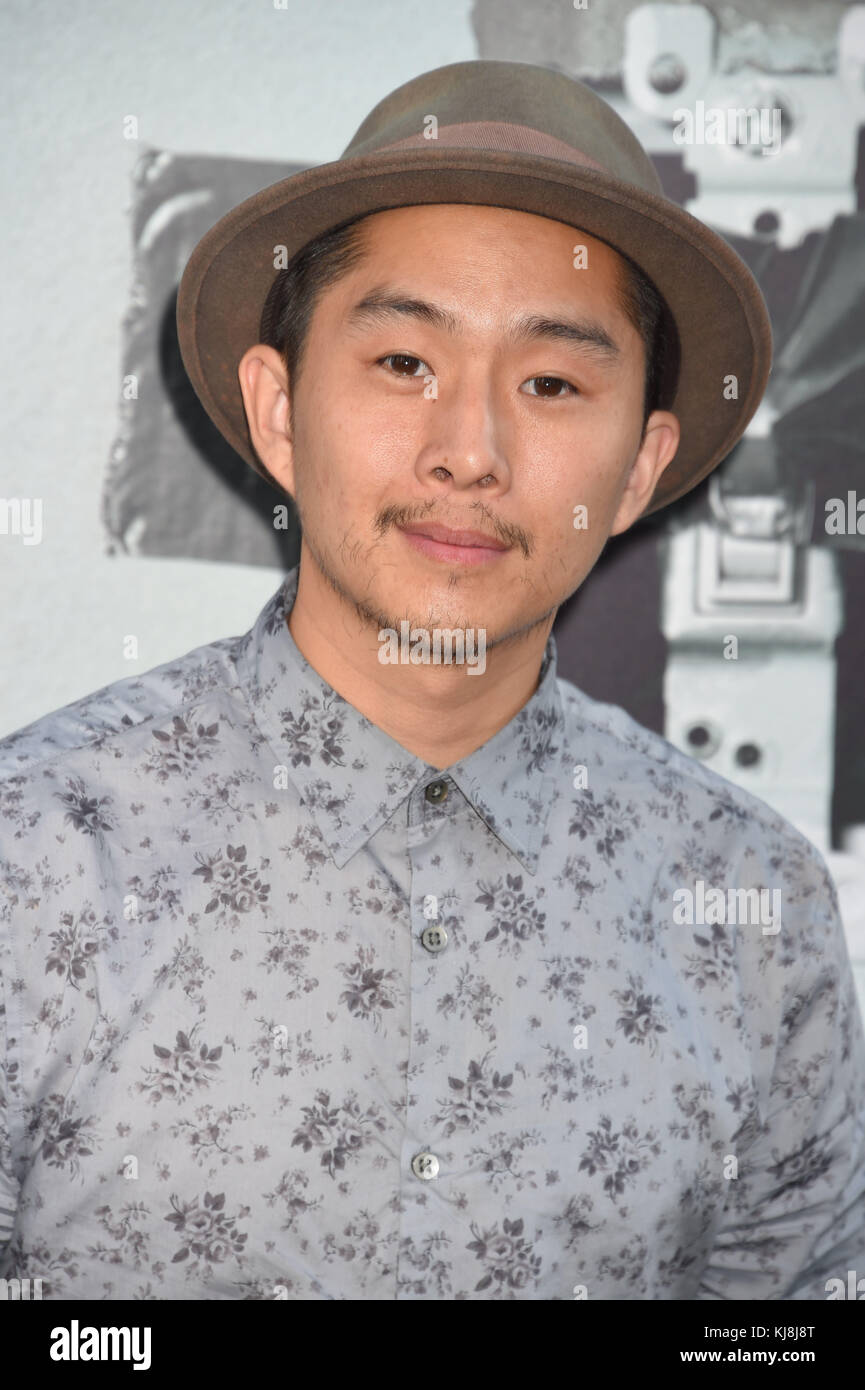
{"x":440,"y":713}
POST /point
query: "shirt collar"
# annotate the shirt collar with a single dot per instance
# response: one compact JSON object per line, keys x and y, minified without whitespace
{"x":353,"y":776}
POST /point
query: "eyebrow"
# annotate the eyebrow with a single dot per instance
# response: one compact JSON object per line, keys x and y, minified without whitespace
{"x":382,"y":304}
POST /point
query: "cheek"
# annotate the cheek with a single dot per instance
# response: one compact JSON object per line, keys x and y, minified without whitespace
{"x":341,"y":477}
{"x":573,"y":484}
{"x":570,"y":506}
{"x":360,"y":440}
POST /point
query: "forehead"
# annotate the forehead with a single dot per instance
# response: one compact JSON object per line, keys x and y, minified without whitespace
{"x":496,"y":250}
{"x":441,"y":218}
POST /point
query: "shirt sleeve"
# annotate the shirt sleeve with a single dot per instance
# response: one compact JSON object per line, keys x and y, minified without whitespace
{"x":795,"y":1214}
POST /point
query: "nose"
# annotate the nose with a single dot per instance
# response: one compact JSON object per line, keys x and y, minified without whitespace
{"x":463,"y":446}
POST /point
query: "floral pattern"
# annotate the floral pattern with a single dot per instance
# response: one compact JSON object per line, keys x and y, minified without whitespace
{"x":223,"y":1039}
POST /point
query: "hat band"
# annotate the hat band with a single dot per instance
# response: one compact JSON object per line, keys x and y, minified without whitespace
{"x":499,"y":135}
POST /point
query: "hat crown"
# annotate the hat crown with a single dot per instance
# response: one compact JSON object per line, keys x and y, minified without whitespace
{"x":516,"y":107}
{"x":508,"y":135}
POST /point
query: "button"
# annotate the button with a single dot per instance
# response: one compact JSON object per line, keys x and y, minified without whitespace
{"x":434,"y":938}
{"x":436,"y":792}
{"x":425,"y":1166}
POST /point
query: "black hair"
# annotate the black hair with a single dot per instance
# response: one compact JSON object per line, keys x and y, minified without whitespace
{"x":288,"y":309}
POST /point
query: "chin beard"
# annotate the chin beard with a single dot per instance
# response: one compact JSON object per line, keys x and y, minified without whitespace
{"x":378,"y":620}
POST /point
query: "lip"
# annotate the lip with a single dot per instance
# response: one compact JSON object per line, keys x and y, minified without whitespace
{"x":443,"y":543}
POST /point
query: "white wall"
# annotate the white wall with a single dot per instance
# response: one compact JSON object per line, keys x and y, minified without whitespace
{"x":207,"y":76}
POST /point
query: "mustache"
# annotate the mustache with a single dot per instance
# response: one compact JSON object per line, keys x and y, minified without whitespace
{"x":480,"y":518}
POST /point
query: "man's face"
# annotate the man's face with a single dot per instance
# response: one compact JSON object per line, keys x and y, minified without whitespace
{"x":401,"y":419}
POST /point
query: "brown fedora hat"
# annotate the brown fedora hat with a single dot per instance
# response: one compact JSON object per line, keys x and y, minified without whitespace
{"x":510,"y":135}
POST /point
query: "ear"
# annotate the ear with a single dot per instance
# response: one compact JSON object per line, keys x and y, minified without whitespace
{"x":264,"y":387}
{"x":657,"y":449}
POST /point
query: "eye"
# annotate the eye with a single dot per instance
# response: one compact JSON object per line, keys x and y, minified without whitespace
{"x":553,"y":381}
{"x":404,"y":357}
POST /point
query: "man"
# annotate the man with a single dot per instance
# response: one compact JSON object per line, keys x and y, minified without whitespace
{"x":360,"y":957}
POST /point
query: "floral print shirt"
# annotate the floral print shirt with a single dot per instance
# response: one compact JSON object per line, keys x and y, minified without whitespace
{"x":289,"y":1013}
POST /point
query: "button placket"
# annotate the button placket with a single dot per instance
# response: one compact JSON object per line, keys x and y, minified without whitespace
{"x":434,"y":937}
{"x":422,"y":1166}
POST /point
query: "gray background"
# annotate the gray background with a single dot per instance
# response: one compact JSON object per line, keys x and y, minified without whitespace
{"x":216,"y":78}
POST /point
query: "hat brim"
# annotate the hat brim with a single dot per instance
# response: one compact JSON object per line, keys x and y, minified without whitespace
{"x":721,"y":319}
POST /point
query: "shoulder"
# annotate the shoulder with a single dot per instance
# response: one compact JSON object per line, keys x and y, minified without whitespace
{"x":117,"y":711}
{"x":629,"y":761}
